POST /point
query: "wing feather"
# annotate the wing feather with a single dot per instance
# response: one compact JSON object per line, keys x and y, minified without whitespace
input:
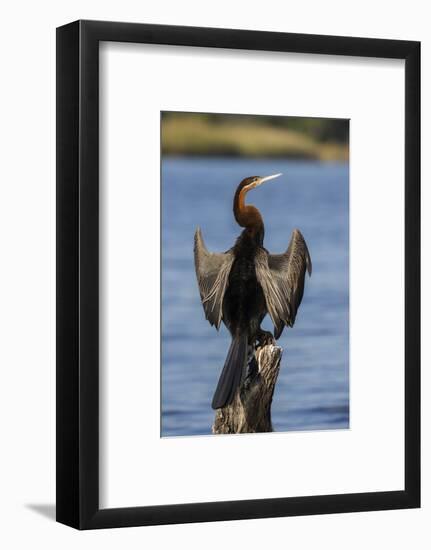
{"x":212,"y":273}
{"x":282,"y":278}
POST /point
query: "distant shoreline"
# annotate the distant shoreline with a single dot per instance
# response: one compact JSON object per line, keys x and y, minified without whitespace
{"x":196,"y":156}
{"x":195,"y":137}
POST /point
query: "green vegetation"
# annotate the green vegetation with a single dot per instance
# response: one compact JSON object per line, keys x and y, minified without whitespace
{"x":254,"y":136}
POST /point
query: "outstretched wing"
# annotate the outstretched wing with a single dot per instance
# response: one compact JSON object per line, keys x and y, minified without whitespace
{"x":282,"y":278}
{"x":212,"y":272}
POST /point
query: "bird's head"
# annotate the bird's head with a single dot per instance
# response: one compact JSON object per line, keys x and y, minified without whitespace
{"x":254,"y":181}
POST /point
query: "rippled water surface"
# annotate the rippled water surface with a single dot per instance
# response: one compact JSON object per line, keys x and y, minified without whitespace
{"x":312,"y":391}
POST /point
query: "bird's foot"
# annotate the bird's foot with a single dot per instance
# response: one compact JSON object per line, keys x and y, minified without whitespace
{"x":264,"y":338}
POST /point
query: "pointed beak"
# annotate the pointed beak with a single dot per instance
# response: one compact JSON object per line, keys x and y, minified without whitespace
{"x":267,"y":178}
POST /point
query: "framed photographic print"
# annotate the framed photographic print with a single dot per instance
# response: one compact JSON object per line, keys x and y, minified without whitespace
{"x":238,"y":274}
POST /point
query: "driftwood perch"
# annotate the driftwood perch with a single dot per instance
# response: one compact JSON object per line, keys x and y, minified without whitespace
{"x":250,"y":411}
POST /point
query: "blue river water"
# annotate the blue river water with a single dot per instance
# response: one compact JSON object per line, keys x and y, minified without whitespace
{"x":312,"y":392}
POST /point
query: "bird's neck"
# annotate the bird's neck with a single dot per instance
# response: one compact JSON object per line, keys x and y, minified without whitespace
{"x":248,"y":216}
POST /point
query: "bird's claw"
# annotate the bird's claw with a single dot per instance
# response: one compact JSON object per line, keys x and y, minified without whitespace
{"x":265,"y":338}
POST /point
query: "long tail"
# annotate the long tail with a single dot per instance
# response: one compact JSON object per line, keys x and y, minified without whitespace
{"x":232,"y":373}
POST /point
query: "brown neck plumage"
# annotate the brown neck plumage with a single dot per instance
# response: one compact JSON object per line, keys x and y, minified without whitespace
{"x":246,"y":215}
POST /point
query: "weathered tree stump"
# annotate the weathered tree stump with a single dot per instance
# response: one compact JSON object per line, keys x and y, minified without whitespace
{"x":250,"y":411}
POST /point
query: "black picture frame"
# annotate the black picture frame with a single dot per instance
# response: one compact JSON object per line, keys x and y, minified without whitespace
{"x":78,"y":274}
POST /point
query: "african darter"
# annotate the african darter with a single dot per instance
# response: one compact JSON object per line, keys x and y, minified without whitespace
{"x":242,"y":285}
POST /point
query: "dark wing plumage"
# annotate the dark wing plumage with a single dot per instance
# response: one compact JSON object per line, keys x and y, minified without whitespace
{"x":212,"y":272}
{"x":282,"y":278}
